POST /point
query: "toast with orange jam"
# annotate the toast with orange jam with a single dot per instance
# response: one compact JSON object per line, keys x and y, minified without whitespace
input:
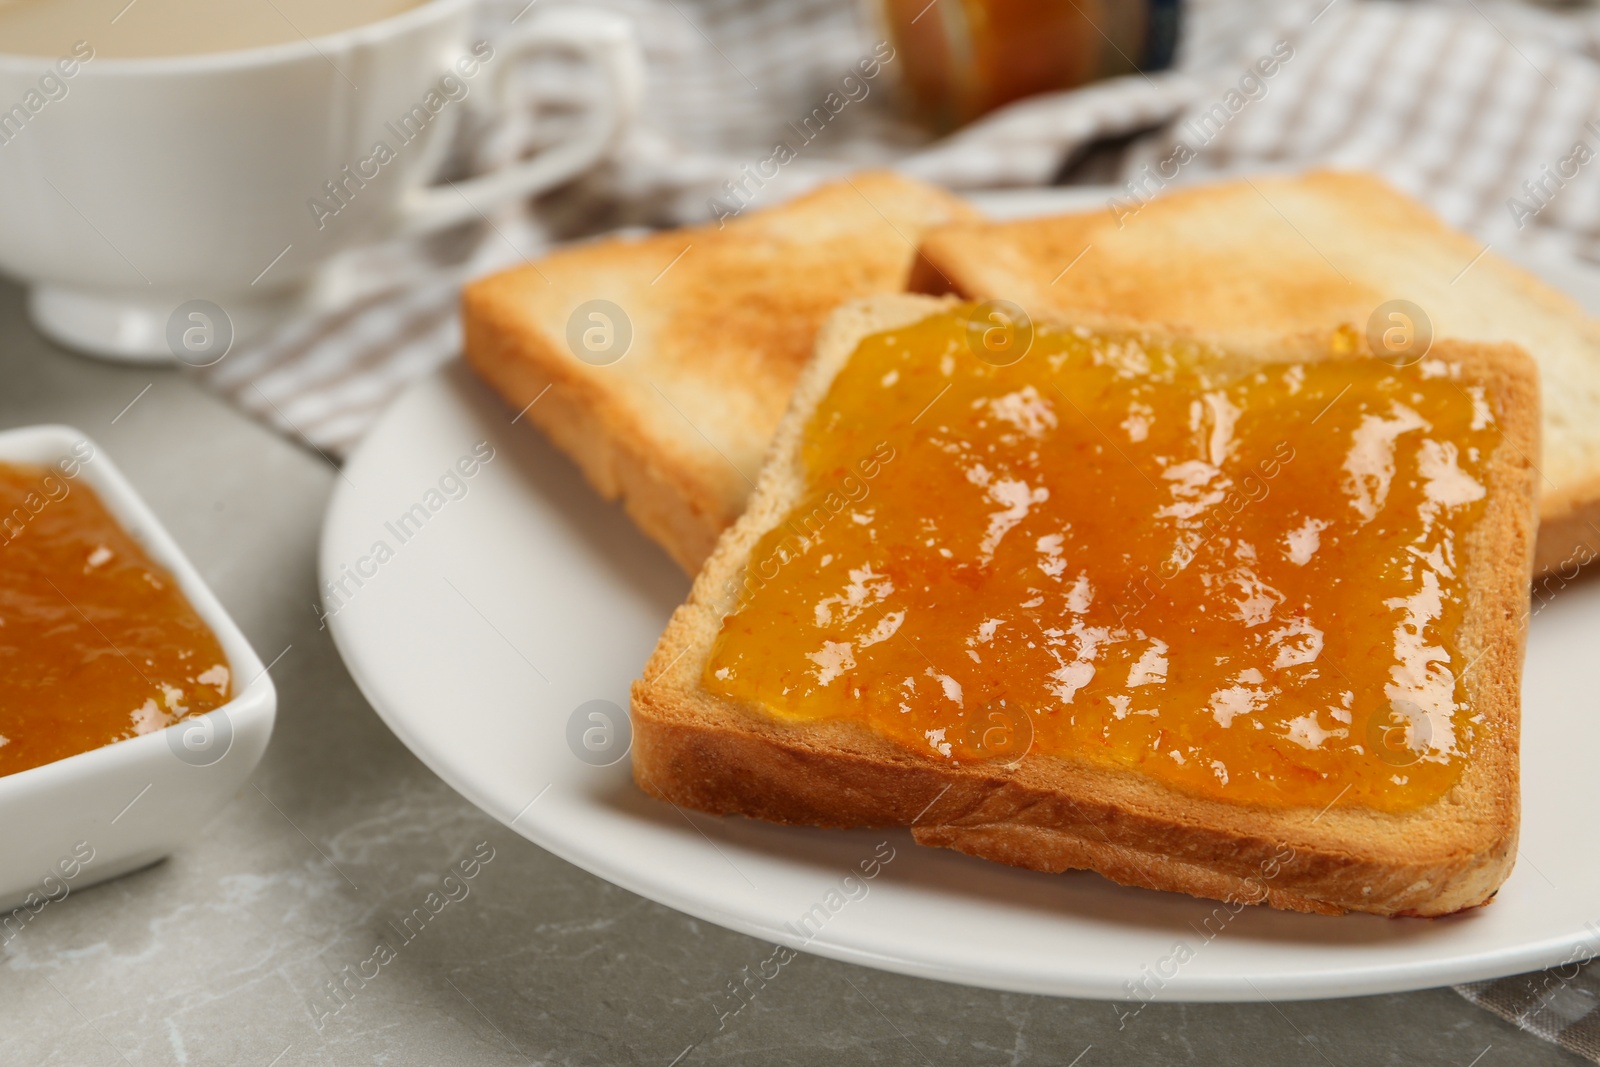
{"x":1239,"y":621}
{"x":1254,"y":259}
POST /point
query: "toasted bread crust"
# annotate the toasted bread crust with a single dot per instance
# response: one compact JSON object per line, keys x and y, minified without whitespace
{"x":723,"y":319}
{"x":1251,"y":259}
{"x":1052,"y":814}
{"x":664,"y":490}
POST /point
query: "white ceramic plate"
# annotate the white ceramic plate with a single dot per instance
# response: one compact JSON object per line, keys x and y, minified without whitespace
{"x":483,"y":634}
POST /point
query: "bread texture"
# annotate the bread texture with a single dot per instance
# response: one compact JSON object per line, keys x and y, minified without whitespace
{"x":1048,"y":813}
{"x":1248,"y":260}
{"x":722,"y":320}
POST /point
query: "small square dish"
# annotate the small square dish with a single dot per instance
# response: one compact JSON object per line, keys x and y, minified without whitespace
{"x":81,"y":819}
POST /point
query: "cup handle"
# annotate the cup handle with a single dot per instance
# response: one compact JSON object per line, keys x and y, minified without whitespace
{"x":605,"y":39}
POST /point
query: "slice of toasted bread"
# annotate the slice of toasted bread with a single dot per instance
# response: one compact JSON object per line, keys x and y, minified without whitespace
{"x":1050,"y":813}
{"x":721,"y":322}
{"x":1251,"y":259}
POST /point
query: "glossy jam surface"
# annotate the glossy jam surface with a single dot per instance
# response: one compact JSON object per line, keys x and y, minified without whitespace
{"x":97,"y":642}
{"x":1244,"y":582}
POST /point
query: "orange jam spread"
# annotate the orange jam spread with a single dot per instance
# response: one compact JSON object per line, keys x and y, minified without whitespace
{"x":1243,"y":580}
{"x":97,"y":642}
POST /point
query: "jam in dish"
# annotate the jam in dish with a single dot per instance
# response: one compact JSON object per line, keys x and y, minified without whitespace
{"x":97,"y":642}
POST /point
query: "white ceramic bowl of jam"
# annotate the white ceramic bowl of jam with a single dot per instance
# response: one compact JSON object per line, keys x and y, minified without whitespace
{"x":131,"y":707}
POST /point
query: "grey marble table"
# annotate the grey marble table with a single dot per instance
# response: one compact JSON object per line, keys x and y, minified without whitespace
{"x":224,"y":953}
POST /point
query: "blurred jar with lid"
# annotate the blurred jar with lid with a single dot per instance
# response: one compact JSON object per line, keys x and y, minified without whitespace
{"x":960,"y":59}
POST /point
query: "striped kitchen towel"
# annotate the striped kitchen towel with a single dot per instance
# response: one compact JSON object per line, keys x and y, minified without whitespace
{"x":1560,"y":1005}
{"x":1484,"y":109}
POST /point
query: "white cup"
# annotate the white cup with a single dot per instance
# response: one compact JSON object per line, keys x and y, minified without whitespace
{"x":132,"y":187}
